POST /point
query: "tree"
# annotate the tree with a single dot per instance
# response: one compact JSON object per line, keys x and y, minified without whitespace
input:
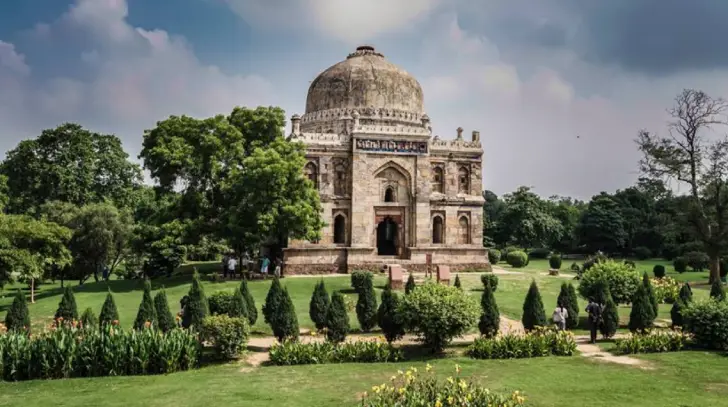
{"x":457,"y":283}
{"x":410,"y":285}
{"x":67,"y":306}
{"x":165,"y":320}
{"x":527,"y":222}
{"x":688,"y":157}
{"x":602,"y":227}
{"x":686,"y":293}
{"x":109,"y":314}
{"x":642,"y":315}
{"x":567,"y":299}
{"x":337,"y":319}
{"x":146,"y":314}
{"x":238,"y":306}
{"x":650,"y":293}
{"x":489,"y":323}
{"x":676,"y":312}
{"x":717,"y":291}
{"x":249,"y":302}
{"x":387,"y":318}
{"x":567,"y":212}
{"x":18,"y":318}
{"x":610,"y":317}
{"x":492,"y":210}
{"x":319,"y":305}
{"x":366,"y":306}
{"x":272,"y":301}
{"x":29,"y":249}
{"x":69,"y":164}
{"x":533,"y":312}
{"x":196,"y":308}
{"x":88,"y":319}
{"x":284,"y":322}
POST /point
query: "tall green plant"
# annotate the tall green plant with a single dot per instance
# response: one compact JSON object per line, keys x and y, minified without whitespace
{"x":566,"y":300}
{"x":387,"y":317}
{"x":337,"y":319}
{"x":18,"y":317}
{"x":686,"y":293}
{"x":410,"y":284}
{"x":366,"y":306}
{"x":273,"y":301}
{"x":717,"y":291}
{"x":319,"y":305}
{"x":676,"y":312}
{"x":238,"y":306}
{"x":109,"y":313}
{"x":88,"y":319}
{"x":489,"y":323}
{"x":165,"y":320}
{"x":146,"y":314}
{"x":196,"y":307}
{"x":610,"y":317}
{"x":642,"y":315}
{"x":533,"y":311}
{"x":457,"y":283}
{"x":249,"y":302}
{"x":67,"y":306}
{"x":650,"y":293}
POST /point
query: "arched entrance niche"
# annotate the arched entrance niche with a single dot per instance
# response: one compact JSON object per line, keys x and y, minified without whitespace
{"x":387,"y":237}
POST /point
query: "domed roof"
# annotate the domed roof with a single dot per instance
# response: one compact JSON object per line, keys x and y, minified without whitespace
{"x":365,"y":80}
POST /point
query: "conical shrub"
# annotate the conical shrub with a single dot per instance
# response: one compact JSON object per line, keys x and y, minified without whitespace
{"x":568,"y":301}
{"x":165,"y":320}
{"x":284,"y":322}
{"x":717,"y":291}
{"x":650,"y":293}
{"x":686,"y":294}
{"x":457,"y":283}
{"x":642,"y":315}
{"x":489,"y":323}
{"x":273,"y":301}
{"x":249,"y":302}
{"x":146,"y":313}
{"x":18,"y":318}
{"x":337,"y":319}
{"x":610,"y":317}
{"x":319,"y":305}
{"x":89,"y":320}
{"x":387,"y":317}
{"x":238,"y":306}
{"x":109,"y":313}
{"x":366,"y":306}
{"x":196,"y":308}
{"x":67,"y":306}
{"x":533,"y":312}
{"x":676,"y":312}
{"x":410,"y":284}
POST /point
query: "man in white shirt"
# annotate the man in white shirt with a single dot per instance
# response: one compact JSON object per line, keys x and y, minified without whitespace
{"x":232,"y":263}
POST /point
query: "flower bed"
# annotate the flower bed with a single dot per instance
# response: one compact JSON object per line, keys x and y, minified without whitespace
{"x":297,"y":353}
{"x":652,"y":342}
{"x":542,"y":342}
{"x":413,"y":389}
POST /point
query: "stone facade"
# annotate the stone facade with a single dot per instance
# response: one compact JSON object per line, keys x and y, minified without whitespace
{"x":390,"y":192}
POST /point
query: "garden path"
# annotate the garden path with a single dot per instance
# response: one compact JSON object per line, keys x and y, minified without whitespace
{"x":594,"y":352}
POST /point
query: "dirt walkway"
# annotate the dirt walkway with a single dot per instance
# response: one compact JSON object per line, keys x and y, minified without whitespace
{"x":594,"y":352}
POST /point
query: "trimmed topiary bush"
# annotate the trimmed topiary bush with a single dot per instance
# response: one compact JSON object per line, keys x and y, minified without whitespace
{"x":642,"y":253}
{"x":147,"y":315}
{"x":698,"y":261}
{"x":533,"y":312}
{"x":359,"y":279}
{"x":165,"y":320}
{"x":337,"y":319}
{"x":642,"y":315}
{"x":489,"y":324}
{"x":658,"y":271}
{"x":109,"y":314}
{"x":494,"y":256}
{"x":89,"y":320}
{"x":366,"y":306}
{"x":717,"y":291}
{"x":610,"y":317}
{"x":680,"y":264}
{"x":650,"y":293}
{"x":280,"y":313}
{"x":387,"y":317}
{"x":555,"y":261}
{"x":622,"y":280}
{"x":319,"y":305}
{"x":573,"y":320}
{"x":686,"y":293}
{"x":67,"y":306}
{"x":18,"y":318}
{"x":457,"y":283}
{"x":196,"y":307}
{"x":220,"y":302}
{"x":517,"y":259}
{"x":249,"y":302}
{"x":490,"y":279}
{"x":238,"y":307}
{"x":437,"y":313}
{"x":676,"y":313}
{"x":228,"y":336}
{"x":409,"y":286}
{"x":592,"y":260}
{"x":708,"y":321}
{"x":572,"y":307}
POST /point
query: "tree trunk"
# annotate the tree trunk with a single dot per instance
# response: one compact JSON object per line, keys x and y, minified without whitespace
{"x":96,"y":274}
{"x":714,"y":268}
{"x":32,"y":291}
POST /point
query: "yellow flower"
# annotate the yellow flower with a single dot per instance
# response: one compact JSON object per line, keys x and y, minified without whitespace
{"x":450,"y":380}
{"x":428,"y":367}
{"x":450,"y":400}
{"x":393,"y":378}
{"x":457,"y":368}
{"x":463,"y":385}
{"x":399,"y":372}
{"x":401,"y":390}
{"x":438,"y":403}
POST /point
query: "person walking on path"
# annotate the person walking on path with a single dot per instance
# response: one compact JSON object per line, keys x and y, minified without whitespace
{"x":559,"y":317}
{"x":277,"y":270}
{"x":594,"y":310}
{"x":264,"y":266}
{"x":231,"y":265}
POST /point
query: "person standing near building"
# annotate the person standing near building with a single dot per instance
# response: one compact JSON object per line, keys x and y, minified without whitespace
{"x":559,"y":316}
{"x":232,"y":263}
{"x":594,"y":310}
{"x":278,"y":263}
{"x":264,"y":266}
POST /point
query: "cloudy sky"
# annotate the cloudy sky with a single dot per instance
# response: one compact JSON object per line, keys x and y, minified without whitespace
{"x":557,"y":88}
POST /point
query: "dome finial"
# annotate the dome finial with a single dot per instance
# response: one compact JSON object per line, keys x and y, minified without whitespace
{"x":364,"y":50}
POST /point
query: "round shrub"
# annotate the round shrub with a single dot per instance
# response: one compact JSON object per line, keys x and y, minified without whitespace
{"x":575,"y":268}
{"x":494,"y":256}
{"x":555,"y":261}
{"x":541,"y":253}
{"x":592,"y":260}
{"x":642,"y":253}
{"x":622,"y":280}
{"x":708,"y":321}
{"x":630,"y":263}
{"x":680,"y":264}
{"x":698,"y":261}
{"x":220,"y":302}
{"x":658,"y":271}
{"x":437,"y":313}
{"x":360,"y":279}
{"x":517,"y":259}
{"x":491,"y":279}
{"x":228,"y":336}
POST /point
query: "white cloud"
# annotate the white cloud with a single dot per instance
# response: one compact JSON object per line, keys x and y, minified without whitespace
{"x":131,"y":78}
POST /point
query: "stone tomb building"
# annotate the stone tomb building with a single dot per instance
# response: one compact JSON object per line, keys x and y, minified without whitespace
{"x":391,"y":193}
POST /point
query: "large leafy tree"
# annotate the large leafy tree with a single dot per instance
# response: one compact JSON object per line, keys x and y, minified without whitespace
{"x":69,"y":164}
{"x":602,"y":226}
{"x":567,"y":212}
{"x":687,"y":156}
{"x":527,"y":222}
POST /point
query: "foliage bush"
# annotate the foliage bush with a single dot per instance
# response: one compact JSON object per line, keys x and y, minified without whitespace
{"x":228,"y":336}
{"x":413,"y":389}
{"x":280,"y":313}
{"x":653,"y":342}
{"x":494,"y":256}
{"x":491,"y":279}
{"x":540,"y":342}
{"x":567,"y":298}
{"x":410,"y":284}
{"x":319,"y":305}
{"x":146,"y":315}
{"x":680,"y":264}
{"x":67,"y":309}
{"x":642,"y":253}
{"x":676,"y":313}
{"x":621,"y":279}
{"x":489,"y":323}
{"x":109,"y":313}
{"x":89,"y":320}
{"x":291,"y":353}
{"x":698,"y":261}
{"x":642,"y":315}
{"x":658,"y":271}
{"x":630,"y":263}
{"x":387,"y":317}
{"x":220,"y":302}
{"x":666,"y":289}
{"x":686,"y":293}
{"x":533,"y":311}
{"x":707,"y":321}
{"x":670,"y":251}
{"x":610,"y":318}
{"x":539,"y":253}
{"x":165,"y":320}
{"x":249,"y":302}
{"x":238,"y":308}
{"x":337,"y":319}
{"x":359,"y":279}
{"x":593,"y":260}
{"x":18,"y":318}
{"x":650,"y":293}
{"x":366,"y":306}
{"x":438,"y":313}
{"x":717,"y":291}
{"x":517,"y":259}
{"x":196,"y":307}
{"x":555,"y":261}
{"x":70,"y":352}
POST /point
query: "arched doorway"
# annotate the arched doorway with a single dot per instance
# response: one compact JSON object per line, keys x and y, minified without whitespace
{"x":387,"y":237}
{"x":437,"y":230}
{"x":339,"y":229}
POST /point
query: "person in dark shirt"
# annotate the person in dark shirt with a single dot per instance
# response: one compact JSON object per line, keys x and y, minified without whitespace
{"x":594,"y":311}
